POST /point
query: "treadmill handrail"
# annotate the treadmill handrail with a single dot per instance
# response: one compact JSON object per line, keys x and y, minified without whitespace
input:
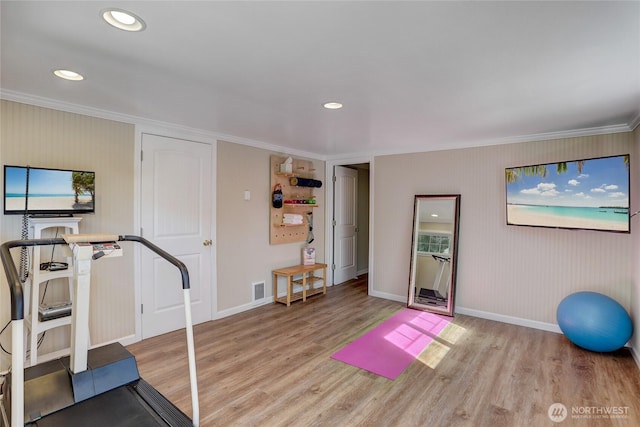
{"x":17,"y":301}
{"x":13,"y":278}
{"x":164,"y":254}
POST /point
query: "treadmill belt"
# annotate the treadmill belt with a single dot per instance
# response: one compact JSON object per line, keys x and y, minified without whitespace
{"x":121,"y":407}
{"x":431,"y":293}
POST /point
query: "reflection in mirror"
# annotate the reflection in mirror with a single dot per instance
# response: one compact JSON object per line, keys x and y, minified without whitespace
{"x":434,"y":253}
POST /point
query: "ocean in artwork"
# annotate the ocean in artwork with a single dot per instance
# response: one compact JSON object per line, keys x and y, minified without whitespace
{"x":594,"y":218}
{"x":618,"y":215}
{"x":32,"y":195}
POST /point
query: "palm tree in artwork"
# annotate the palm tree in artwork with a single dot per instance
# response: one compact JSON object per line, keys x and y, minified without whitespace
{"x":82,"y":183}
{"x":513,"y":174}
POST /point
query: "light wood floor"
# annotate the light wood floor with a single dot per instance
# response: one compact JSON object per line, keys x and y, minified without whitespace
{"x":271,"y":366}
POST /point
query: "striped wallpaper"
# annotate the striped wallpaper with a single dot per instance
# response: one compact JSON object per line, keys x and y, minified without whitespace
{"x":508,"y":271}
{"x":42,"y":137}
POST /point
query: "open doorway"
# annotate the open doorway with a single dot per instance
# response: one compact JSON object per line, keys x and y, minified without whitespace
{"x":350,"y":221}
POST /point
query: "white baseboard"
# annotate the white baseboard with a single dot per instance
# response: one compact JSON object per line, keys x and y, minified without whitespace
{"x":534,"y":324}
{"x":249,"y":306}
{"x":242,"y":308}
{"x":125,"y":341}
{"x":363,"y":271}
{"x":391,"y":297}
{"x":551,"y":327}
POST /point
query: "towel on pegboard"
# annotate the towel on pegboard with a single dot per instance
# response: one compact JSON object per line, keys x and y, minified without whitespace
{"x":292,"y":219}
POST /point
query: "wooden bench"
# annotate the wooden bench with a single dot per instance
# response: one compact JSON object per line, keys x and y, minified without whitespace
{"x":308,"y":279}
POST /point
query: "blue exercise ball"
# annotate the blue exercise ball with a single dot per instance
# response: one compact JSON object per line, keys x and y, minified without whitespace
{"x":594,"y":321}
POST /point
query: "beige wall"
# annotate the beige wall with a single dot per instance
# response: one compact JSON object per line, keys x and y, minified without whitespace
{"x":509,"y":271}
{"x":244,"y":254}
{"x":42,"y":137}
{"x":49,"y":138}
{"x":520,"y":272}
{"x":635,"y":251}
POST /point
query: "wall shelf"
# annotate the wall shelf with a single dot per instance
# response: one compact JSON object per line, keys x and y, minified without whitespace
{"x":289,"y":233}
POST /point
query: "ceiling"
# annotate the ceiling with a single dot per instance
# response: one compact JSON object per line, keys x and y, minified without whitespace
{"x":413,"y":76}
{"x":436,"y":210}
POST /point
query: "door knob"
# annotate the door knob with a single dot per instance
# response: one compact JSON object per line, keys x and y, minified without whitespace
{"x":207,"y":243}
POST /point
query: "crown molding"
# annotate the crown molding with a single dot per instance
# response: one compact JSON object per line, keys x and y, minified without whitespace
{"x":450,"y":145}
{"x":67,"y":107}
{"x":538,"y":137}
{"x":633,"y":124}
{"x":145,"y":123}
{"x":455,"y":145}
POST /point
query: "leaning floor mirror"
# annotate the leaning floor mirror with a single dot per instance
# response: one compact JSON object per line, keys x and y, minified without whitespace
{"x":434,"y":247}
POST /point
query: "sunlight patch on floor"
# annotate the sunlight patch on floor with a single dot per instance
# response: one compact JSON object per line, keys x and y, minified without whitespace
{"x":433,"y":354}
{"x":438,"y":349}
{"x":452,"y":333}
{"x":409,"y":339}
{"x":430,"y":323}
{"x":424,"y":337}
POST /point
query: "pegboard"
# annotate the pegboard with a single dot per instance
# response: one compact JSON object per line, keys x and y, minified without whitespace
{"x":289,"y":233}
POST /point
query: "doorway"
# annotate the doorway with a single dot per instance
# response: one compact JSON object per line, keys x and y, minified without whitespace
{"x":350,"y":221}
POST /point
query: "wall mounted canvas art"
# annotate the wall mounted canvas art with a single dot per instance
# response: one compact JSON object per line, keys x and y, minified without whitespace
{"x":588,"y":194}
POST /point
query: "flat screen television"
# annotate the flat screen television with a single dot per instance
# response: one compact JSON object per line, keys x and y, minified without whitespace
{"x":588,"y":194}
{"x":53,"y":192}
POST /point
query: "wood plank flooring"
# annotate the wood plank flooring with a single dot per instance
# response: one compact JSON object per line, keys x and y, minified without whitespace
{"x":271,"y":366}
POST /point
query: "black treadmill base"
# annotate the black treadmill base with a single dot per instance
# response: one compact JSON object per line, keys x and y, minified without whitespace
{"x":133,"y":405}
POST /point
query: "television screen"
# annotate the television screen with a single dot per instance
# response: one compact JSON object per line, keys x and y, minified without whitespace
{"x":589,"y":194}
{"x":49,"y":191}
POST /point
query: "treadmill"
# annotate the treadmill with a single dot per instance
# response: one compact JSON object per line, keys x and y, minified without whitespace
{"x":100,"y":387}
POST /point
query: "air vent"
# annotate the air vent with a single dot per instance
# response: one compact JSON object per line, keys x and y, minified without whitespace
{"x":258,"y":291}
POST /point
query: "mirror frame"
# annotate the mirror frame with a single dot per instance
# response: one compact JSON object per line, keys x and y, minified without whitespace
{"x":412,"y":302}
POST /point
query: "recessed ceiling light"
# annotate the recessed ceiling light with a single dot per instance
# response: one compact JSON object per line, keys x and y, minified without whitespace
{"x":332,"y":105}
{"x":123,"y":19}
{"x":435,"y":215}
{"x":68,"y":75}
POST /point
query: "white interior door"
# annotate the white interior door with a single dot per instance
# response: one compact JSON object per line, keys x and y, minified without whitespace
{"x":176,"y":215}
{"x":345,"y":230}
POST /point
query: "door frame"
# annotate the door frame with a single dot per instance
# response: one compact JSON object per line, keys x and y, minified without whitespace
{"x":168,"y":132}
{"x":330,"y":202}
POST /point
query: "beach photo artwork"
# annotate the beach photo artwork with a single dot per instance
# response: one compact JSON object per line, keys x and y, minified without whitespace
{"x":50,"y":191}
{"x":590,"y":194}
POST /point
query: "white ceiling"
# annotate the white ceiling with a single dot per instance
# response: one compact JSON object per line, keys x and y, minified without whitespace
{"x":444,"y":209}
{"x":413,"y":76}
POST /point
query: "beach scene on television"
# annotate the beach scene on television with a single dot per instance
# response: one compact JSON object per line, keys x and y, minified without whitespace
{"x":590,"y":194}
{"x":49,"y":190}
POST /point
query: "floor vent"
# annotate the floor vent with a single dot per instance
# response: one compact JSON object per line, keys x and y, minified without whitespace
{"x":258,"y":291}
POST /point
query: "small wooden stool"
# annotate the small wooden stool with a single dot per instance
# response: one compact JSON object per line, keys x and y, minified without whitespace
{"x":308,"y":278}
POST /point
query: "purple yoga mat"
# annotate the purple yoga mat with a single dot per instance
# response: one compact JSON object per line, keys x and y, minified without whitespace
{"x":390,"y":347}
